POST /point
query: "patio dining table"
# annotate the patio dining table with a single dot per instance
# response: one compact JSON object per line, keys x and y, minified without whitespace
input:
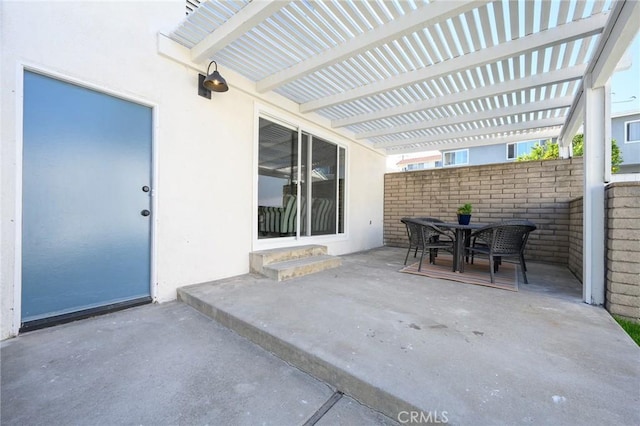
{"x":461,"y":234}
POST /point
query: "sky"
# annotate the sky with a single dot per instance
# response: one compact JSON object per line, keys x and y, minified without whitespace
{"x":626,"y":84}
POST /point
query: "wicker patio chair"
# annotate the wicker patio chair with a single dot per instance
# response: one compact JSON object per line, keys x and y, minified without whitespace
{"x":415,"y":237}
{"x":482,"y":245}
{"x":424,"y":229}
{"x":502,"y":240}
{"x":434,"y":239}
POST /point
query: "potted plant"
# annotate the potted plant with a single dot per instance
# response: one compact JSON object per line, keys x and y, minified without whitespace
{"x":464,"y":213}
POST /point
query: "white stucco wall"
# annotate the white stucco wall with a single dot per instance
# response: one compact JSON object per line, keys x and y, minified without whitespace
{"x":205,"y":174}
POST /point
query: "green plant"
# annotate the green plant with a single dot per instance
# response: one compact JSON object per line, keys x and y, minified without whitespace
{"x":577,"y":145}
{"x":550,"y":150}
{"x":632,"y":328}
{"x":616,"y":156}
{"x":465,"y":209}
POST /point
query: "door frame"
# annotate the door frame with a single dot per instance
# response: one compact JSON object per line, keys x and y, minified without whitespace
{"x":292,"y":121}
{"x":19,"y":121}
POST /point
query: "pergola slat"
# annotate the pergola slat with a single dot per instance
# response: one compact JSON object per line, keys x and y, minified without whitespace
{"x":552,"y":77}
{"x":544,"y":105}
{"x":571,"y":31}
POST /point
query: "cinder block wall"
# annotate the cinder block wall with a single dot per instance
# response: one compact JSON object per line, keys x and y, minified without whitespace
{"x":536,"y":190}
{"x":623,"y":249}
{"x":575,"y":236}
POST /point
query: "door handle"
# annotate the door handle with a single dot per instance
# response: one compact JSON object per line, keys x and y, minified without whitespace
{"x":145,"y":212}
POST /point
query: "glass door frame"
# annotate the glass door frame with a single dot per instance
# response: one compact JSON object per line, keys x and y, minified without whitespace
{"x":266,"y":113}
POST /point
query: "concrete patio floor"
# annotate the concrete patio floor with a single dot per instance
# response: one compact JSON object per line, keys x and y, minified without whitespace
{"x":476,"y":355}
{"x":157,"y":365}
{"x":402,"y":344}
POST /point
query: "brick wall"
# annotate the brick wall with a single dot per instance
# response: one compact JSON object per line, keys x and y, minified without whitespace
{"x":575,"y":236}
{"x":623,"y":249}
{"x":536,"y":190}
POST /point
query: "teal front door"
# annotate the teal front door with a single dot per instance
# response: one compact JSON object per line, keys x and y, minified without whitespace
{"x":86,"y":206}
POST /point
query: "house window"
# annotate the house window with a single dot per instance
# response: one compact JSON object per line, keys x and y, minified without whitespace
{"x":301,"y":180}
{"x":516,"y":149}
{"x":455,"y":158}
{"x":416,"y":166}
{"x":632,"y":131}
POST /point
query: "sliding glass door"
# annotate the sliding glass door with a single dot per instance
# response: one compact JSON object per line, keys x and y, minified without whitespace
{"x":300,"y":183}
{"x":277,"y":180}
{"x":322,"y":165}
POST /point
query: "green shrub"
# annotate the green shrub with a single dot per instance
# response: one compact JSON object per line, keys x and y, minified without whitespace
{"x":551,"y":150}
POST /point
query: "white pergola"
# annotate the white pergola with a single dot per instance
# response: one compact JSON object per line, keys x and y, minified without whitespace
{"x":407,"y":76}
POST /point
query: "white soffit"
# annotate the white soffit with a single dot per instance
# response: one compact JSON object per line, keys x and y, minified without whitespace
{"x":409,"y":75}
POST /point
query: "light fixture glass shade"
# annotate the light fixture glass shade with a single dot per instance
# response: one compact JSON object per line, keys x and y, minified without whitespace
{"x":214,"y":81}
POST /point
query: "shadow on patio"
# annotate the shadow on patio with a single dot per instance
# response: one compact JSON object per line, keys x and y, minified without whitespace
{"x":400,"y":343}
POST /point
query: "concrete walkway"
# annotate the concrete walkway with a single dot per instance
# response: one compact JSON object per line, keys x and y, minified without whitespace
{"x":409,"y":346}
{"x":444,"y":350}
{"x":158,"y":365}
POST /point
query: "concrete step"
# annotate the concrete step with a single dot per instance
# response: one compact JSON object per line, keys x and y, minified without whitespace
{"x":290,"y":262}
{"x":288,"y":269}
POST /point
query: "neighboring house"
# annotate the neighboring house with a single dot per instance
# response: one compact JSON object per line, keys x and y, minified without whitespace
{"x":488,"y":154}
{"x":420,"y":163}
{"x":625,"y":129}
{"x":474,"y":156}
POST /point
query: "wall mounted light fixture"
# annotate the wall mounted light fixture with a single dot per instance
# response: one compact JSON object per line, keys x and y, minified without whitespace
{"x":213,"y":82}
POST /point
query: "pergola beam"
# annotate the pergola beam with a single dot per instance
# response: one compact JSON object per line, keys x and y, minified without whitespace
{"x":561,"y":34}
{"x":553,"y":77}
{"x":573,"y":120}
{"x":515,"y":127}
{"x":543,"y":105}
{"x":239,"y":24}
{"x":435,"y":12}
{"x":618,"y":35}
